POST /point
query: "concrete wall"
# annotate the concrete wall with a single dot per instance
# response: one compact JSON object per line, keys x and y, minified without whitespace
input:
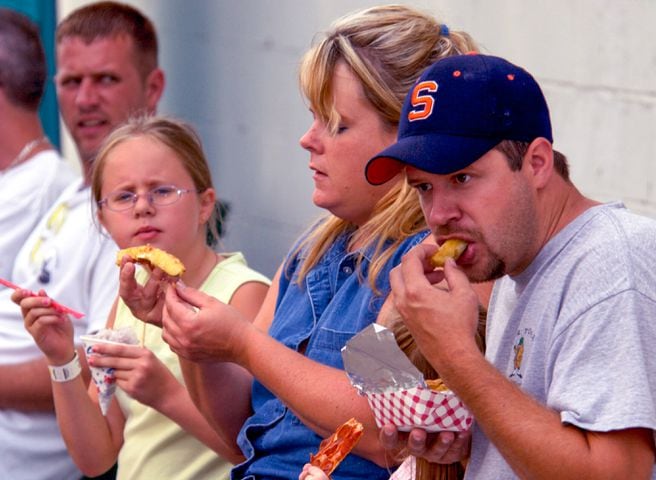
{"x":231,"y":70}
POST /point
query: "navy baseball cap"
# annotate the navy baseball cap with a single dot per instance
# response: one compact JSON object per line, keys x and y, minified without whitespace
{"x":460,"y":108}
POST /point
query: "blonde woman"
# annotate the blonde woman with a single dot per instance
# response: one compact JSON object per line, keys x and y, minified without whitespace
{"x":276,"y":387}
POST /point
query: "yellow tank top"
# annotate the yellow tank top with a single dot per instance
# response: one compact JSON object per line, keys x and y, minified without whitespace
{"x":155,"y":447}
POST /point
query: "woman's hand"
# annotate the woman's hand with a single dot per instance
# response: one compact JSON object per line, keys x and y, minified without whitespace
{"x":138,"y":372}
{"x":52,"y":331}
{"x":144,"y":301}
{"x":200,"y":328}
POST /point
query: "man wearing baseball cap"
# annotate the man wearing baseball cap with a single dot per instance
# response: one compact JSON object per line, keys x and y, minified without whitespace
{"x":567,"y":387}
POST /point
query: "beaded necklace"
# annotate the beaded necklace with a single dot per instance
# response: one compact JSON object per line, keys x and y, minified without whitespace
{"x":25,"y":152}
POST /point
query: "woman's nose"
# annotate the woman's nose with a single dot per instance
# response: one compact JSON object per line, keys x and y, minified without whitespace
{"x":310,"y":140}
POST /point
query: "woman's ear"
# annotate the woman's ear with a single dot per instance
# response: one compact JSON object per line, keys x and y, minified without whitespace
{"x":539,"y":161}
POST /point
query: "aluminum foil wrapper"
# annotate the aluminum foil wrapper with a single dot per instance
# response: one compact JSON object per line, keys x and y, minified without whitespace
{"x":395,"y":389}
{"x":375,"y":364}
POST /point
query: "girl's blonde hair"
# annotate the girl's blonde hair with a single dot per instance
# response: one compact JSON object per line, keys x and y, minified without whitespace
{"x":425,"y":470}
{"x":387,"y":48}
{"x":180,"y":137}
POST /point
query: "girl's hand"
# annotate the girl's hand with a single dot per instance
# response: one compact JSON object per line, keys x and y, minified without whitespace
{"x":138,"y":371}
{"x":52,"y":331}
{"x":145,"y":302}
{"x":200,"y":328}
{"x":310,"y":472}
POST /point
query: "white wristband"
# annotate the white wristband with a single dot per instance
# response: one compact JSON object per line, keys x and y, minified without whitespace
{"x":66,"y":373}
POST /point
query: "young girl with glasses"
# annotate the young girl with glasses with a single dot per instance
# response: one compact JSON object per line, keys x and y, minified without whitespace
{"x":152,"y":185}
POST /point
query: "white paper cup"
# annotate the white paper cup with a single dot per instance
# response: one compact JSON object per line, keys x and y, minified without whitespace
{"x":104,"y":378}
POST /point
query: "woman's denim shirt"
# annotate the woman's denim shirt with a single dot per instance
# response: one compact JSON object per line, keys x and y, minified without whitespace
{"x":331,"y":305}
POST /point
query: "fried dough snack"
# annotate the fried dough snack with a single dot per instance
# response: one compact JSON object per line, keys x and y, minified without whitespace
{"x":153,"y":257}
{"x":452,"y":248}
{"x":335,"y":448}
{"x":437,"y":384}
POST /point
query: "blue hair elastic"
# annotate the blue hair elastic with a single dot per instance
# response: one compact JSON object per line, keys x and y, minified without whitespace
{"x":444,"y":30}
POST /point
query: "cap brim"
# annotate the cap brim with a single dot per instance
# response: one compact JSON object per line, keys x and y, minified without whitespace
{"x":433,"y":153}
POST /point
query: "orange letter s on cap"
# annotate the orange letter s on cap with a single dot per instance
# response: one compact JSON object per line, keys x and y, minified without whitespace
{"x":423,"y":104}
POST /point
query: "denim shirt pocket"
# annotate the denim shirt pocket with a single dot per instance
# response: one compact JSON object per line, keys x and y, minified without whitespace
{"x":326,"y":346}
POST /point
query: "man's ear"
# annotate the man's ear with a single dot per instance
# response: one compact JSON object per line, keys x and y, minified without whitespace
{"x":154,"y":88}
{"x":539,"y":162}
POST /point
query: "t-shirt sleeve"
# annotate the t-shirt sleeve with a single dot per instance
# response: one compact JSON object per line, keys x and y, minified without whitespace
{"x":603,"y":372}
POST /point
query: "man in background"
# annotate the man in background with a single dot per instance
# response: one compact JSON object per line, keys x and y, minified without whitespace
{"x":32,"y":175}
{"x":107,"y":70}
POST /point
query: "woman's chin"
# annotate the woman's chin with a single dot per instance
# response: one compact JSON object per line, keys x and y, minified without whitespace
{"x":322,"y":201}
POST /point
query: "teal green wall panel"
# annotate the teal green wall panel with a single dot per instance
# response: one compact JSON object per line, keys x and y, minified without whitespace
{"x":44,"y":14}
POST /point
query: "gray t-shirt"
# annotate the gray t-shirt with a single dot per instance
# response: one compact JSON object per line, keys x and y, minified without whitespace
{"x":576,"y":330}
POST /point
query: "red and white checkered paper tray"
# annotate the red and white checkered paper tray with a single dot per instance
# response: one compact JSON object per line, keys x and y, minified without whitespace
{"x":395,"y":389}
{"x":420,"y":407}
